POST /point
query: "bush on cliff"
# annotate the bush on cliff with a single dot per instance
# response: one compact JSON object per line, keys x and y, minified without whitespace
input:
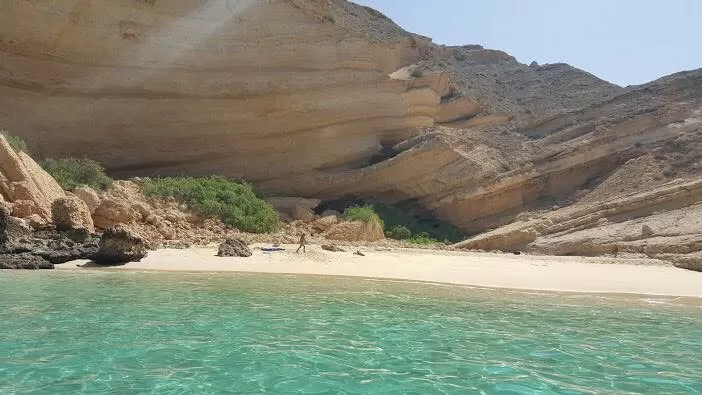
{"x":71,"y":173}
{"x":16,"y":143}
{"x":235,"y":203}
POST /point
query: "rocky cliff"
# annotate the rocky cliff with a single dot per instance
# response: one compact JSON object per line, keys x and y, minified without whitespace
{"x":330,"y":100}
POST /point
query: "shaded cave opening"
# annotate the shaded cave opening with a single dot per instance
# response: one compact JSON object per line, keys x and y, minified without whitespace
{"x":409,"y":213}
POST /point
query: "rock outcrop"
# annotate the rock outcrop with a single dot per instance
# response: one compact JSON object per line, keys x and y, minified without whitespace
{"x":23,"y":248}
{"x":158,"y":221}
{"x":324,"y":223}
{"x":295,"y":208}
{"x":25,"y":261}
{"x":234,"y":247}
{"x":662,"y":223}
{"x":25,"y":188}
{"x":118,"y":246}
{"x":355,"y":231}
{"x":89,"y":196}
{"x":70,"y":212}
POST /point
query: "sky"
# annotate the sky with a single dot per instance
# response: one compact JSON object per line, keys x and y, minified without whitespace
{"x":627,"y":42}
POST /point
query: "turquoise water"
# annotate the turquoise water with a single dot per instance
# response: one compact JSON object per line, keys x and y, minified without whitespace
{"x":159,"y":333}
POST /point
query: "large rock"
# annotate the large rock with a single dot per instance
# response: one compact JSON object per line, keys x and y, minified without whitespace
{"x":112,"y":212}
{"x":688,"y":261}
{"x":119,"y":246}
{"x":356,"y":231}
{"x":324,"y":223}
{"x":234,"y":247}
{"x":71,"y":212}
{"x":22,"y":248}
{"x":295,"y":208}
{"x":89,"y":197}
{"x":11,"y":229}
{"x":25,"y":185}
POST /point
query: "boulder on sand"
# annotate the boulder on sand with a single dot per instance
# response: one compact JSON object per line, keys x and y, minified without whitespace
{"x":234,"y":247}
{"x":332,"y":248}
{"x":118,"y":246}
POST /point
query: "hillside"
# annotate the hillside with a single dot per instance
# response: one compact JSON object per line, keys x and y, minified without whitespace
{"x":330,"y":100}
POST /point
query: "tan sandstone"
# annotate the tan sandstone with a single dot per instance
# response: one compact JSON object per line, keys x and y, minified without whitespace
{"x":70,"y":212}
{"x":25,"y":185}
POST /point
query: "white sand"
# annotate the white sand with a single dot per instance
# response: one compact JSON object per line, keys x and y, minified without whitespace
{"x":547,"y":273}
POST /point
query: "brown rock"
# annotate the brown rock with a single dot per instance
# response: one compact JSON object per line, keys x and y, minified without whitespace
{"x":22,"y":179}
{"x":234,"y":247}
{"x":327,"y":213}
{"x":89,"y":197}
{"x":118,"y":246}
{"x":111,"y":213}
{"x":36,"y":222}
{"x":324,"y":223}
{"x":646,"y":231}
{"x":295,"y":208}
{"x":25,"y":208}
{"x":332,"y":248}
{"x":71,"y":212}
{"x":355,"y":231}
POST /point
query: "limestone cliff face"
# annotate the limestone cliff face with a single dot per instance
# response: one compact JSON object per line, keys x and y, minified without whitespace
{"x":329,"y":100}
{"x":250,"y":89}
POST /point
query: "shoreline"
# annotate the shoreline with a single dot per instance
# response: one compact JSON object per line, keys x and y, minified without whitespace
{"x":593,"y":275}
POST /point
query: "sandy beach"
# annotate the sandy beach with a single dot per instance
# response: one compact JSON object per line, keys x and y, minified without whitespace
{"x":546,"y":273}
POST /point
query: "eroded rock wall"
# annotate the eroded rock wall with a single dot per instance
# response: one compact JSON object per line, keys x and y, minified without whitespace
{"x":248,"y":89}
{"x":329,"y":100}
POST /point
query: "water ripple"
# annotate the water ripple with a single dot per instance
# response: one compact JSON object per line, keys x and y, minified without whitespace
{"x":211,"y":333}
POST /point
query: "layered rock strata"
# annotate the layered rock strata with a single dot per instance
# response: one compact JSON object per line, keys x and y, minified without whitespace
{"x":329,"y":100}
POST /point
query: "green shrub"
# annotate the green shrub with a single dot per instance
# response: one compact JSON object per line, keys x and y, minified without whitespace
{"x":16,"y":143}
{"x":365,"y":213}
{"x":74,"y":172}
{"x":417,"y":222}
{"x":422,"y":239}
{"x":399,"y":232}
{"x":236,"y":204}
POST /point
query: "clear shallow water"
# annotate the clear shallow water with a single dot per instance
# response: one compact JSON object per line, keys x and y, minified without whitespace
{"x":226,"y":333}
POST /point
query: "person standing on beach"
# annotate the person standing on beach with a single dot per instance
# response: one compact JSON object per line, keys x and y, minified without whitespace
{"x":302,"y":243}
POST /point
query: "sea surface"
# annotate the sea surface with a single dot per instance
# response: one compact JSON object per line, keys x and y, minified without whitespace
{"x":178,"y":333}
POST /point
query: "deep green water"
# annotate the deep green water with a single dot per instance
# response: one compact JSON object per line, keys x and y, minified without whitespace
{"x":130,"y":333}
